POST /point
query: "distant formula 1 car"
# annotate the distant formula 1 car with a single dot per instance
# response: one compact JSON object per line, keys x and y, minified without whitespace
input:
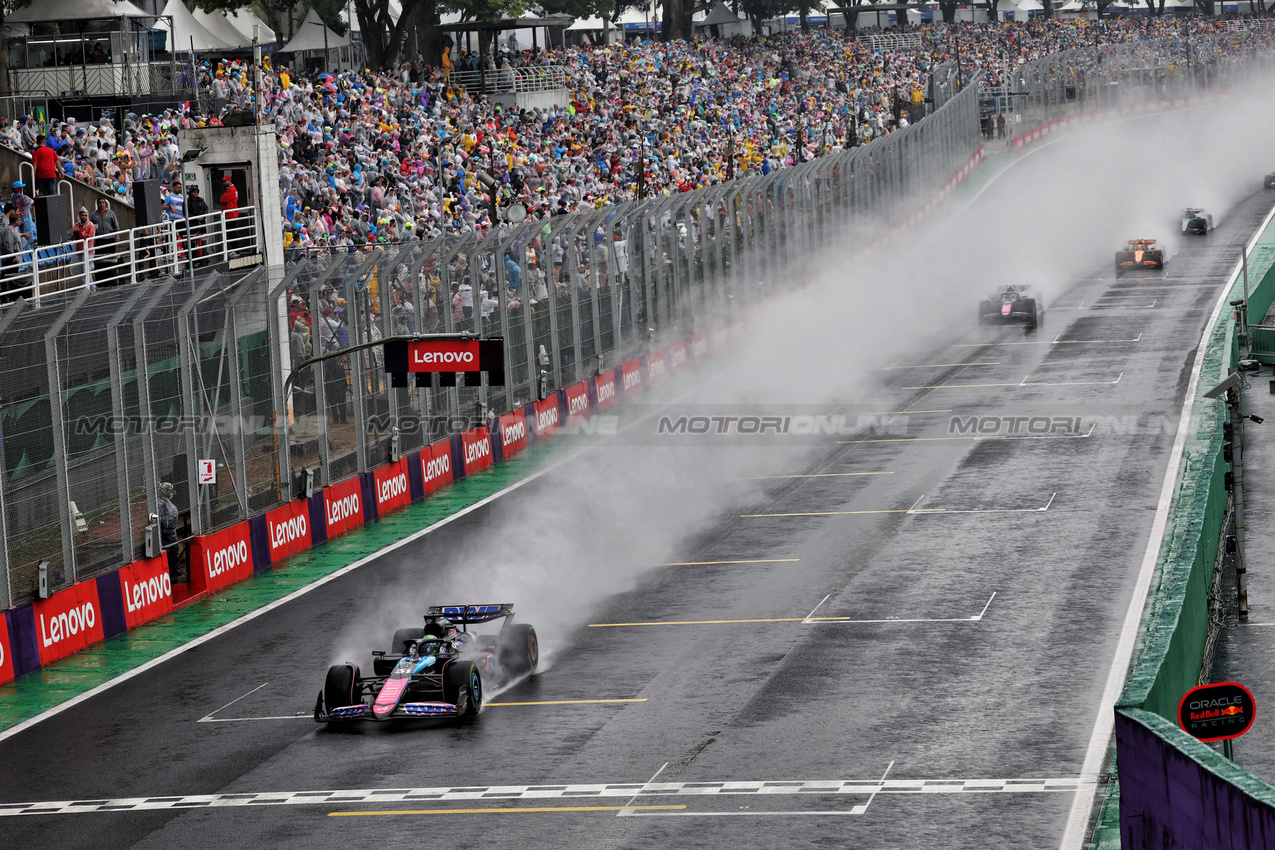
{"x":1141,"y":254}
{"x":437,"y":670}
{"x":1269,"y":180}
{"x":1195,"y":220}
{"x":1011,"y":307}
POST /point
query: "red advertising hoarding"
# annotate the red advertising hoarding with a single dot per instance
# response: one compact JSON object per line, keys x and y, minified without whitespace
{"x":577,"y":403}
{"x":436,"y":466}
{"x":547,"y":417}
{"x":67,"y":622}
{"x":392,"y":490}
{"x":513,"y":434}
{"x":221,"y":559}
{"x":604,"y":385}
{"x":699,"y":345}
{"x":443,"y":356}
{"x":288,"y":529}
{"x":677,"y":356}
{"x":476,"y":444}
{"x":147,"y":590}
{"x":632,"y":374}
{"x":343,"y":507}
{"x":6,"y":653}
{"x":656,"y":366}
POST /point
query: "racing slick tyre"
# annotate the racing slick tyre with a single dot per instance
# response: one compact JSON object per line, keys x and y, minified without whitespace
{"x":519,"y":651}
{"x":1033,"y":313}
{"x":1120,"y":258}
{"x":341,"y":688}
{"x":1268,"y":181}
{"x":462,"y":679}
{"x":984,"y":309}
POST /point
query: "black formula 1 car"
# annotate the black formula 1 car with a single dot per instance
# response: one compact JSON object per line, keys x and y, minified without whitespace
{"x":1196,"y":220}
{"x":1141,"y":254}
{"x":1011,"y":307}
{"x":1268,"y":181}
{"x":435,"y":670}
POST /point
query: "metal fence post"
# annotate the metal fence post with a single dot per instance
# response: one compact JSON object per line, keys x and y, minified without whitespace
{"x":59,"y":434}
{"x":120,"y":430}
{"x":187,"y":351}
{"x":7,"y":318}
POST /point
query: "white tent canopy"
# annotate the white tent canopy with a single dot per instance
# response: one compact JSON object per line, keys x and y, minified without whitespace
{"x":1030,"y":6}
{"x":586,"y":24}
{"x":244,"y":20}
{"x":720,"y":15}
{"x":310,"y":36}
{"x":76,"y":10}
{"x":216,"y":23}
{"x":187,"y":32}
{"x":395,"y":10}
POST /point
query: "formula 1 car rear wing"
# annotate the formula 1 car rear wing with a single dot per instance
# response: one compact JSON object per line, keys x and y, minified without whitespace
{"x":465,"y":615}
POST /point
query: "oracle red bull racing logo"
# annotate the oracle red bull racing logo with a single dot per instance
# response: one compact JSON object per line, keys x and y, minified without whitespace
{"x":1216,"y":712}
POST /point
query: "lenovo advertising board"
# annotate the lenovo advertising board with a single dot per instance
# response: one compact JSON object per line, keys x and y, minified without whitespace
{"x":436,"y":466}
{"x":343,"y":506}
{"x":476,"y":443}
{"x":147,"y":590}
{"x":68,"y":621}
{"x":288,"y":530}
{"x":604,"y":386}
{"x":513,"y":434}
{"x":6,"y":652}
{"x":632,"y":375}
{"x":392,"y":491}
{"x":548,"y":417}
{"x":577,"y":403}
{"x":220,"y":559}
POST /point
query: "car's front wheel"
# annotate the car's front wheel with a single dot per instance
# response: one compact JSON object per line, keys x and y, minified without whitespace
{"x":342,"y":686}
{"x":463,"y":687}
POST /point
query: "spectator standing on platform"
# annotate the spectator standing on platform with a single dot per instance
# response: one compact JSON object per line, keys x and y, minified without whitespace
{"x":229,"y":202}
{"x":173,"y":203}
{"x":45,"y":160}
{"x":10,"y":248}
{"x":85,"y":231}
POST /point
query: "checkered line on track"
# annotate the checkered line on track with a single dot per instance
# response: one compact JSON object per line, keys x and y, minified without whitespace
{"x":547,"y":792}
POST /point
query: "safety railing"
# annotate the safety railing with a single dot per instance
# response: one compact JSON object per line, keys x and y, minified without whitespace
{"x":130,"y":256}
{"x":902,"y":41}
{"x":537,"y":78}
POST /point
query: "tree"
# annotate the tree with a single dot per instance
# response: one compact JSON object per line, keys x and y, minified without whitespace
{"x":948,"y":8}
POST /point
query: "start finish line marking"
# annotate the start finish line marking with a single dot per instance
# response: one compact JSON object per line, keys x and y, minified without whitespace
{"x":505,"y":793}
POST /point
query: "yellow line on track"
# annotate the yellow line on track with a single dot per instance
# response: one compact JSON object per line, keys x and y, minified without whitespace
{"x":852,"y":513}
{"x":756,"y":561}
{"x":923,"y":439}
{"x":977,"y":386}
{"x":940,"y":365}
{"x":814,"y":475}
{"x":518,"y":811}
{"x":565,"y":702}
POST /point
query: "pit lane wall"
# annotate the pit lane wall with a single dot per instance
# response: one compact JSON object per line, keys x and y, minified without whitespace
{"x":1175,"y":791}
{"x":36,"y":635}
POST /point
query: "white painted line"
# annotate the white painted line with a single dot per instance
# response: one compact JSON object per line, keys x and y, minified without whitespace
{"x":979,"y":615}
{"x":1124,"y":306}
{"x":1054,"y":341}
{"x":807,"y":620}
{"x":987,"y":510}
{"x":914,"y":504}
{"x":208,"y":718}
{"x":503,"y":793}
{"x":1100,"y":739}
{"x":858,"y":810}
{"x":644,"y":787}
{"x":302,"y":591}
{"x":1022,"y":384}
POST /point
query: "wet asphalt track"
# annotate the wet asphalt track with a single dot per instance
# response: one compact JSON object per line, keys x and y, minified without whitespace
{"x":927,"y":687}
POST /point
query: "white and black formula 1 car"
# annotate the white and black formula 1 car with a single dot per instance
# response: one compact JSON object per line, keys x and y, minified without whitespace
{"x":1196,"y":220}
{"x":435,"y":670}
{"x":1011,"y":307}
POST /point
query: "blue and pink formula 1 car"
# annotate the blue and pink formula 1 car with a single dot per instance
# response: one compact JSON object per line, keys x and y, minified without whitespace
{"x":435,"y":670}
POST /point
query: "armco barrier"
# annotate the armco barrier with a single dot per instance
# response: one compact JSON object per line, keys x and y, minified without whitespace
{"x":1175,"y":791}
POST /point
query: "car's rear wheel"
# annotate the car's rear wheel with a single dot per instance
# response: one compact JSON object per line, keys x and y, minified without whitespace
{"x":519,"y":650}
{"x":462,"y":682}
{"x":341,"y":687}
{"x":984,"y":309}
